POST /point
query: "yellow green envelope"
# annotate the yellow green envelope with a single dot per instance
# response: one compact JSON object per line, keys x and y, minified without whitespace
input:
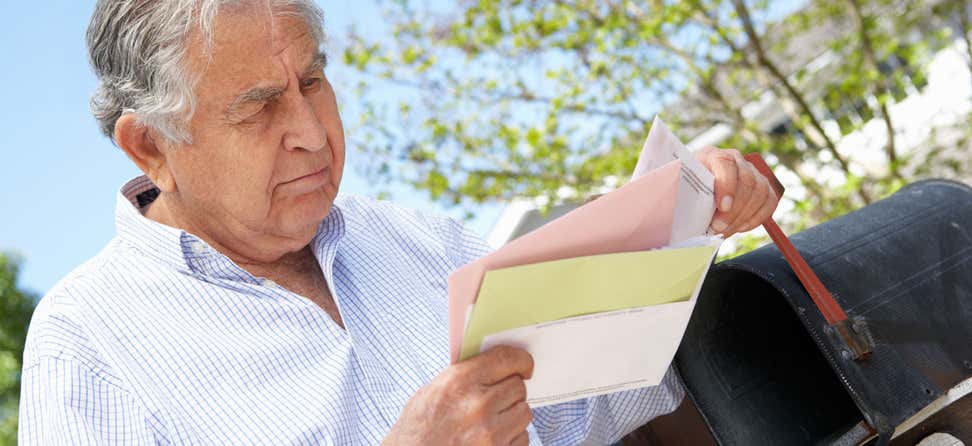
{"x":543,"y":292}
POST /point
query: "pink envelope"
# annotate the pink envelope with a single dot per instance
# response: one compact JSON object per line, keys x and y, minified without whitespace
{"x":636,"y":217}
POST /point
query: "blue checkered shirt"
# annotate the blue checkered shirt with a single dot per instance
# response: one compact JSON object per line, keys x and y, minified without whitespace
{"x":160,"y":339}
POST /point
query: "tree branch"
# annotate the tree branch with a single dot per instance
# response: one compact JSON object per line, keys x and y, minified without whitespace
{"x":966,"y":29}
{"x":881,"y":89}
{"x":763,"y":59}
{"x":522,"y":96}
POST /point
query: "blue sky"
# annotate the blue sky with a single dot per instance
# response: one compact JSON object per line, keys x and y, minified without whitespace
{"x":59,"y":176}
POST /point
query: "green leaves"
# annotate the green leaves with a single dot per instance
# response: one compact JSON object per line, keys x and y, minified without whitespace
{"x":16,"y":308}
{"x":436,"y":183}
{"x":553,"y":98}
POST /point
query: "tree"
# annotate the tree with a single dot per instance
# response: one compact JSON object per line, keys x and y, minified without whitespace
{"x":16,"y":307}
{"x":502,"y":99}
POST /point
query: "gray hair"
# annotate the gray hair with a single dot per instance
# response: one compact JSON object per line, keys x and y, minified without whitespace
{"x":138,"y":51}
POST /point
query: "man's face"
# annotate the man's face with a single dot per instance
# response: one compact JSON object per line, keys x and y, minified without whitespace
{"x":267,"y":149}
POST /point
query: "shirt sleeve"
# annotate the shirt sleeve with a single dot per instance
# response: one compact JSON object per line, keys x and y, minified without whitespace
{"x":605,"y":419}
{"x":462,"y":245}
{"x":69,"y":394}
{"x":599,"y":420}
{"x":64,"y":403}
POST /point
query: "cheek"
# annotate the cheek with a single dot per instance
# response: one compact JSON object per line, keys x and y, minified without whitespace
{"x":197,"y":181}
{"x":233,"y":177}
{"x":337,"y":152}
{"x":331,"y":119}
{"x":246,"y":181}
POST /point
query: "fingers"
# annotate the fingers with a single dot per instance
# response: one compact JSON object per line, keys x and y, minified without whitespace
{"x":507,"y":392}
{"x":514,"y":421}
{"x":724,"y":166}
{"x":763,"y":213}
{"x":498,"y":363}
{"x":755,"y":200}
{"x":744,"y":198}
{"x":478,"y":401}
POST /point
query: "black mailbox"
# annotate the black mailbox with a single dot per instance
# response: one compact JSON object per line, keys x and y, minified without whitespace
{"x":763,"y":366}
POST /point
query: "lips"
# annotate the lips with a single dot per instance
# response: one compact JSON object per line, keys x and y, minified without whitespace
{"x":316,"y":172}
{"x":308,"y":182}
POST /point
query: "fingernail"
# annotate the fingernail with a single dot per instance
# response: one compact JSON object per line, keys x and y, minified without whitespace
{"x":718,"y":225}
{"x":726,"y":204}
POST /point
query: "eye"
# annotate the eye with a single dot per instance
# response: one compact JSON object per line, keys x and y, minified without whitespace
{"x":256,"y":112}
{"x":252,"y":114}
{"x":310,"y":84}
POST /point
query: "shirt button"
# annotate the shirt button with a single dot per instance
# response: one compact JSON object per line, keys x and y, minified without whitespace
{"x":197,"y":247}
{"x":269,"y":283}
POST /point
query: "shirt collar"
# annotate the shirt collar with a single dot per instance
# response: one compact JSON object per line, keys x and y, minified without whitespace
{"x":186,"y":252}
{"x":327,"y":241}
{"x":151,"y":238}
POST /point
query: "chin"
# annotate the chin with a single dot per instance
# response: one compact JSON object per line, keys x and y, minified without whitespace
{"x":303,"y":214}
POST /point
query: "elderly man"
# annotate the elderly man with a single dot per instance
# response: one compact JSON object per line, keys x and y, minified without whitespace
{"x":242,"y":301}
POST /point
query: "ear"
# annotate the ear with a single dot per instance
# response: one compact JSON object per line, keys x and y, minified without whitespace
{"x":140,"y":145}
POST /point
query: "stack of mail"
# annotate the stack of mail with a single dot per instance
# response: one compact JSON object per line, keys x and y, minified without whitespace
{"x":601,"y":296}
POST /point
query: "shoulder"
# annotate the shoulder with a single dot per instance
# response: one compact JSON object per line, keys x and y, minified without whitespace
{"x":379,"y":218}
{"x":57,"y":332}
{"x":61,"y":326}
{"x":370,"y":212}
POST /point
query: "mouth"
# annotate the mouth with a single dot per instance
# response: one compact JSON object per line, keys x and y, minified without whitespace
{"x":308,"y":182}
{"x":310,"y":176}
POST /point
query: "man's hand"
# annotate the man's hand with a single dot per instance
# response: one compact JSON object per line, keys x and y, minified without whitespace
{"x":743,"y":197}
{"x":480,"y":401}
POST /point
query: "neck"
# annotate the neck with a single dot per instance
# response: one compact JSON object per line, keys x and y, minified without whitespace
{"x":166,"y":210}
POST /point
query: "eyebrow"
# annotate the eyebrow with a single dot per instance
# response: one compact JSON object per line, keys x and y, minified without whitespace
{"x":267,"y":94}
{"x":318,"y":62}
{"x":254,"y":95}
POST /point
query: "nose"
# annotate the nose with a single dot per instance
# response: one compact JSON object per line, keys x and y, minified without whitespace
{"x":304,"y":131}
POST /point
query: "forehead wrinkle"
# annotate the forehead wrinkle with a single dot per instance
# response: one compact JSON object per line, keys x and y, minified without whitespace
{"x":268,"y":93}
